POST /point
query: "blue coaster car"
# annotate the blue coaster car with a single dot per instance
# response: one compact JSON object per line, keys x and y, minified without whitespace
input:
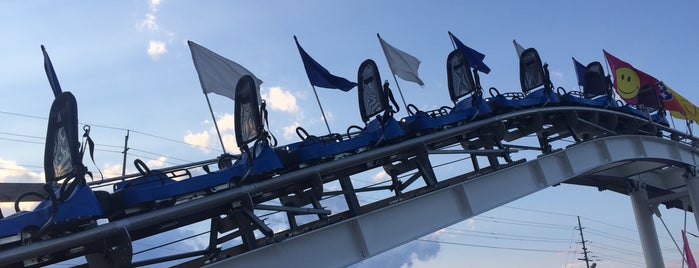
{"x":461,"y":84}
{"x":597,"y":89}
{"x":537,"y":89}
{"x":70,"y":205}
{"x":157,"y":188}
{"x":373,"y":101}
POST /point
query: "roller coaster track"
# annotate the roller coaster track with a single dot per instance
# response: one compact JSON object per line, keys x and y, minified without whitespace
{"x":613,"y":150}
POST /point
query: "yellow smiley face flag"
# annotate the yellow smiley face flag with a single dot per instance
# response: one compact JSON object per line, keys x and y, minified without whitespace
{"x":633,"y":85}
{"x":637,"y":87}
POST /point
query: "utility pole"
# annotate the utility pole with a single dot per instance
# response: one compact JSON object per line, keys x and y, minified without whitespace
{"x":586,"y":259}
{"x":126,"y":149}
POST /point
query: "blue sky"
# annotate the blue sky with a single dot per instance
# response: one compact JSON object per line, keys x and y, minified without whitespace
{"x":129,"y":67}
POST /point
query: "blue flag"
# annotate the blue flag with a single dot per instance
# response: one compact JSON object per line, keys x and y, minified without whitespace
{"x":51,"y":74}
{"x":580,"y":72}
{"x":320,"y":76}
{"x":475,"y":58}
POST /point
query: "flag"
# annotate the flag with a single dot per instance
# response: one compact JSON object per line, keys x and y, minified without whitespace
{"x":633,"y":85}
{"x":475,"y":58}
{"x":51,"y":74}
{"x":216,"y":73}
{"x":320,"y":76}
{"x":691,"y":263}
{"x":678,"y":105}
{"x":518,"y":48}
{"x":402,"y":64}
{"x":579,"y":72}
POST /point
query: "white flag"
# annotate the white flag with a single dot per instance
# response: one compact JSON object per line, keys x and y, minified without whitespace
{"x":518,"y":47}
{"x":402,"y":64}
{"x":216,"y":73}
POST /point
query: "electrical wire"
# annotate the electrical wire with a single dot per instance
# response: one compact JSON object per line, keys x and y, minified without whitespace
{"x":488,"y":246}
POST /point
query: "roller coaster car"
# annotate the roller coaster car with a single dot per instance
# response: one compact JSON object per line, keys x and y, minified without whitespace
{"x":532,"y":76}
{"x":69,"y":205}
{"x":597,"y":89}
{"x":461,"y":84}
{"x":156,"y":188}
{"x":597,"y":92}
{"x":373,"y":101}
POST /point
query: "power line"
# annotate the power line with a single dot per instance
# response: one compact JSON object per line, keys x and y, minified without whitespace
{"x":23,"y":115}
{"x":21,"y":135}
{"x":169,"y":157}
{"x":506,"y":238}
{"x":513,"y":235}
{"x":619,"y":260}
{"x":116,"y":128}
{"x":523,"y":223}
{"x":613,"y":236}
{"x":539,"y":211}
{"x":582,"y":217}
{"x":617,"y":249}
{"x":22,"y":141}
{"x":488,"y":246}
{"x":170,"y":243}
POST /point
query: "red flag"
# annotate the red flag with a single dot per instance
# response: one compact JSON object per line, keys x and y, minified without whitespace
{"x":690,"y":258}
{"x":637,"y":87}
{"x":633,"y":85}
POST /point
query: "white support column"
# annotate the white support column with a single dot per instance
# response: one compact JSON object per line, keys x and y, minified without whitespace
{"x":646,"y":227}
{"x":693,"y":188}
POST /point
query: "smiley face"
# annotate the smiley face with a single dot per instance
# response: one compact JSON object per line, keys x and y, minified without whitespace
{"x":627,"y":83}
{"x":689,"y":108}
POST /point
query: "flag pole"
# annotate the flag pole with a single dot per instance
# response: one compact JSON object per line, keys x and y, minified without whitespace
{"x":321,"y":109}
{"x":215,"y":124}
{"x":400,"y":92}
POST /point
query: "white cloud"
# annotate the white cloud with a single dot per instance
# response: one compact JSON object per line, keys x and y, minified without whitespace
{"x":329,"y":115}
{"x":8,"y":208}
{"x":281,"y":100}
{"x":405,"y":255}
{"x":156,"y":49}
{"x":209,"y":138}
{"x":149,"y":23}
{"x":10,"y":171}
{"x":154,"y":5}
{"x":380,"y":176}
{"x":200,"y":140}
{"x":112,"y":170}
{"x":290,"y":131}
{"x":226,"y":123}
{"x":575,"y":265}
{"x":230,"y":143}
{"x":156,"y":163}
